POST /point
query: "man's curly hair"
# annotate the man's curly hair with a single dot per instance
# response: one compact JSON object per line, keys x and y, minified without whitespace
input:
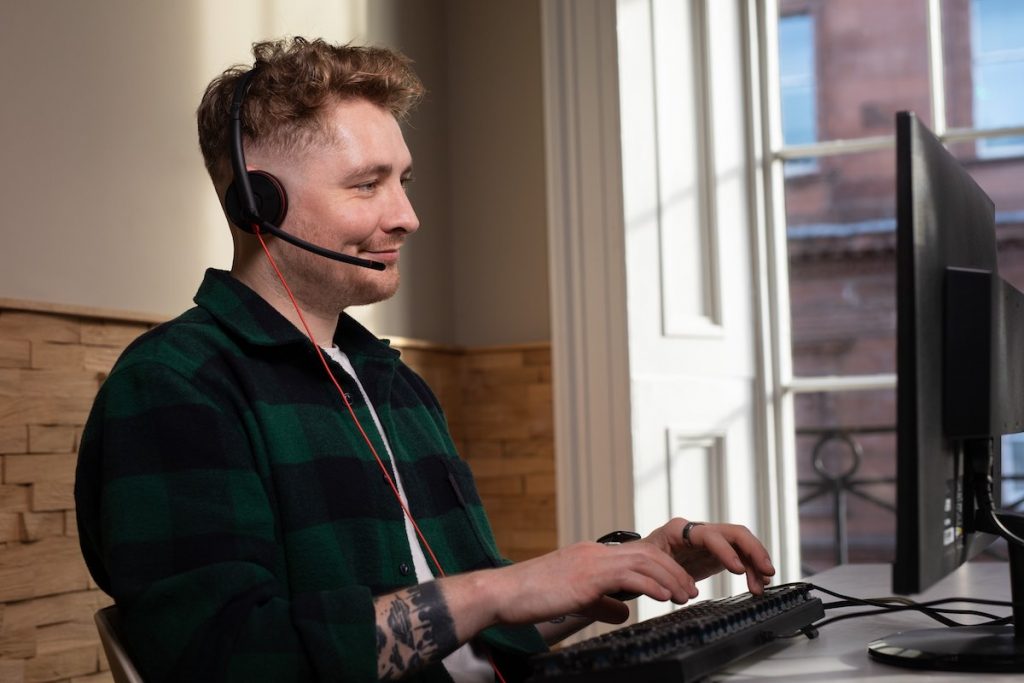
{"x":295,"y":79}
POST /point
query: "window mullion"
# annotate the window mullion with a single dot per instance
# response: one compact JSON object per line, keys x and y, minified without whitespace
{"x":936,"y":68}
{"x":839,"y":383}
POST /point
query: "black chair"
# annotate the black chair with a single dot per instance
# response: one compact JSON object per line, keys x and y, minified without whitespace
{"x":108,"y":622}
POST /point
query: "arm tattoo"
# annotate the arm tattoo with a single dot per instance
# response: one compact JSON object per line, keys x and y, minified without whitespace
{"x":400,"y":623}
{"x":414,"y":628}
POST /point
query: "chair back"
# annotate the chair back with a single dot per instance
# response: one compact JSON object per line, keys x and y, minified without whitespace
{"x":108,"y":623}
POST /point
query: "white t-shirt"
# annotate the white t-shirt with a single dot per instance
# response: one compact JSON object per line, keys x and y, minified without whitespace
{"x":464,"y":665}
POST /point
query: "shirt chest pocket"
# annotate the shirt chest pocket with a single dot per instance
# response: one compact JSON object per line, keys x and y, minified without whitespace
{"x":450,"y":495}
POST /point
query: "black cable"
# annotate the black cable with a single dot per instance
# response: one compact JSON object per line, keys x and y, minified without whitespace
{"x":885,"y":606}
{"x":909,"y":602}
{"x":882,"y":602}
{"x":936,"y":614}
{"x":980,"y":457}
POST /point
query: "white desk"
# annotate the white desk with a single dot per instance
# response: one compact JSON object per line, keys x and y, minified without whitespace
{"x":840,"y":654}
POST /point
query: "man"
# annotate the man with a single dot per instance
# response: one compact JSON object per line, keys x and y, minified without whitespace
{"x":261,"y":513}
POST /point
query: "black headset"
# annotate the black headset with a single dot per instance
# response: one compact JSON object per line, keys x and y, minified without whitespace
{"x":257,"y":198}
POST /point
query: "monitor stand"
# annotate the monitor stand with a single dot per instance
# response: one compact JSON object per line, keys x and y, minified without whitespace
{"x":987,"y":649}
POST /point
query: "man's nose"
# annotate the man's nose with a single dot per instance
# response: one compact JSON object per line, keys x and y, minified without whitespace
{"x":402,"y":215}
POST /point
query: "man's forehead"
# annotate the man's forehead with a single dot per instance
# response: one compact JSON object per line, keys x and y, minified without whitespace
{"x":365,"y":130}
{"x":346,"y":119}
{"x":355,"y":133}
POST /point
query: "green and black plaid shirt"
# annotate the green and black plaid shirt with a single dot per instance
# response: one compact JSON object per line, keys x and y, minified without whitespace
{"x":228,"y":504}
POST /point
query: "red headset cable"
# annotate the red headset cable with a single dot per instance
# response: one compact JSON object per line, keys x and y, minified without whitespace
{"x":341,"y":392}
{"x":359,"y":426}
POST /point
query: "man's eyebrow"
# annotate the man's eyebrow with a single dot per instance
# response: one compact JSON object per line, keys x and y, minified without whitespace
{"x":376,"y":170}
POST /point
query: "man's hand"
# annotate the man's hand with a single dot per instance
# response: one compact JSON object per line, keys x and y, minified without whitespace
{"x":577,"y":580}
{"x":714,"y":547}
{"x":664,"y":565}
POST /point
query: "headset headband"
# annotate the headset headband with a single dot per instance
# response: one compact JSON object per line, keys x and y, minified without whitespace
{"x":248,"y":200}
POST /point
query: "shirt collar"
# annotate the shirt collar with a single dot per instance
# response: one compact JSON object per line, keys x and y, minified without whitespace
{"x":248,"y":315}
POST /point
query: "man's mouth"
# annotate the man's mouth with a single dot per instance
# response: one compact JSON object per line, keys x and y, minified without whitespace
{"x":387,"y":254}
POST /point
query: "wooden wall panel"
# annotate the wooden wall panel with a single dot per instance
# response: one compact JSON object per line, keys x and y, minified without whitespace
{"x":51,"y":365}
{"x":507,"y":436}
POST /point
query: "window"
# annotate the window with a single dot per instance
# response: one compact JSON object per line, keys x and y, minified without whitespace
{"x":844,"y":68}
{"x":997,"y":42}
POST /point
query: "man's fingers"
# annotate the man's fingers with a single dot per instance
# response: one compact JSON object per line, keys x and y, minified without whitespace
{"x":716,"y":544}
{"x":736,"y":548}
{"x":756,"y":582}
{"x":738,"y":551}
{"x":754,"y":553}
{"x":667,"y":580}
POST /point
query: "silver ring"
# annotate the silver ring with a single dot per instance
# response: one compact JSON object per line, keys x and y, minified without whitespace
{"x":687,"y":529}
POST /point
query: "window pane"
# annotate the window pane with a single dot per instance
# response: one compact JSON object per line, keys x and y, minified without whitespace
{"x":842,"y":247}
{"x":1002,"y":147}
{"x":997,"y":25}
{"x":798,"y":116}
{"x":984,"y":52}
{"x":851,"y":433}
{"x":796,"y":77}
{"x":998,"y":98}
{"x":1013,"y":471}
{"x":868,"y":60}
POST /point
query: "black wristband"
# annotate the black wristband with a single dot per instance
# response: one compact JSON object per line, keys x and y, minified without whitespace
{"x":618,"y":538}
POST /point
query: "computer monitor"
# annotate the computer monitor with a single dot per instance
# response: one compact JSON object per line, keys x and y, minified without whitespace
{"x":960,"y":387}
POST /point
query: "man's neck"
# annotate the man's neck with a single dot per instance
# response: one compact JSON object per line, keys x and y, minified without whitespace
{"x":322,"y":323}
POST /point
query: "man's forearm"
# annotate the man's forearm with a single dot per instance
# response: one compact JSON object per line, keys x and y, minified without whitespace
{"x":414,"y":628}
{"x":425,"y":623}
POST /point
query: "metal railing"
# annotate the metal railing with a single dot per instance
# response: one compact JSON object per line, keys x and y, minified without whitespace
{"x":841,"y":483}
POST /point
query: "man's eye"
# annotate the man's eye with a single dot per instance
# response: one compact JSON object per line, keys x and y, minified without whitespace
{"x":367,"y":187}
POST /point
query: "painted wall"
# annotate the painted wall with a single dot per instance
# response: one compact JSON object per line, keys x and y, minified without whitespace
{"x":498,"y":172}
{"x":107,"y":203}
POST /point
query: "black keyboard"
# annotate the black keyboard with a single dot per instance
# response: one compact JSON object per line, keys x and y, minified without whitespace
{"x":688,"y":644}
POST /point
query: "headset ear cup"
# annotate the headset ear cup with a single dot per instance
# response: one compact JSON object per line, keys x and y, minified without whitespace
{"x":271,"y":201}
{"x":233,"y":209}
